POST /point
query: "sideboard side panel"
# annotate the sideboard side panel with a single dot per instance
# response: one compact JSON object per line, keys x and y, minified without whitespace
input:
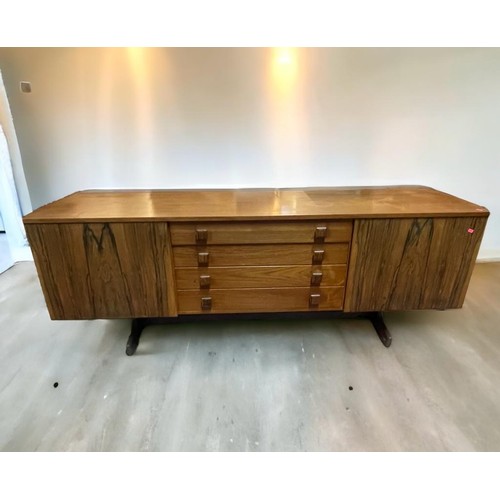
{"x":405,"y":264}
{"x":61,"y":265}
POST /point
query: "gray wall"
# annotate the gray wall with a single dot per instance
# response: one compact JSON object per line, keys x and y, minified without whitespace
{"x":104,"y":118}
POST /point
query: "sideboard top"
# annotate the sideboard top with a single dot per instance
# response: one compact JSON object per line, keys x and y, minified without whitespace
{"x":253,"y":204}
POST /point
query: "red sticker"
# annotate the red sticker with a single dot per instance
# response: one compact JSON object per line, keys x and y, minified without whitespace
{"x":470,"y":230}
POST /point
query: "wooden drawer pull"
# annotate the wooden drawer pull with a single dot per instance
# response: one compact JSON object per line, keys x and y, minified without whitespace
{"x":206,"y":303}
{"x":320,"y":233}
{"x":314,"y":299}
{"x":205,"y":281}
{"x":201,"y":236}
{"x":203,"y":258}
{"x":318,"y":256}
{"x":316,"y":278}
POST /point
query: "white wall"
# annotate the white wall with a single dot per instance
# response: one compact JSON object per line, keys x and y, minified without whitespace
{"x":256,"y":117}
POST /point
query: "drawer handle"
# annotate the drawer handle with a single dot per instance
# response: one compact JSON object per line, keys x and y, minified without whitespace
{"x":206,"y":303}
{"x":316,"y":278}
{"x":205,"y":281}
{"x":314,"y":299}
{"x":203,"y":258}
{"x":201,"y":236}
{"x":318,"y":256}
{"x":320,"y":233}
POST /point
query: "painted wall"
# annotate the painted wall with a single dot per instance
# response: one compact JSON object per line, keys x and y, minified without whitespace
{"x":102,"y":118}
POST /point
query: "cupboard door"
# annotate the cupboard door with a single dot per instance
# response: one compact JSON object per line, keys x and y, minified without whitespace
{"x":404,"y":264}
{"x":115,"y":270}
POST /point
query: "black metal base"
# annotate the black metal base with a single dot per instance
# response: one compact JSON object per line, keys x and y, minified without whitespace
{"x":380,"y":327}
{"x":138,"y":324}
{"x":135,"y":335}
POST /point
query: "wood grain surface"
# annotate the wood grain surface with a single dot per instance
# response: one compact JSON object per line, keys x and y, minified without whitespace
{"x":254,"y":204}
{"x":260,"y":255}
{"x":404,"y":264}
{"x":260,"y":300}
{"x":259,"y":276}
{"x":104,"y":270}
{"x":108,"y":254}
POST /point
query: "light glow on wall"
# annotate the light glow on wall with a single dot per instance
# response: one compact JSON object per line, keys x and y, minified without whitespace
{"x":288,"y":120}
{"x":284,"y":70}
{"x":140,"y":69}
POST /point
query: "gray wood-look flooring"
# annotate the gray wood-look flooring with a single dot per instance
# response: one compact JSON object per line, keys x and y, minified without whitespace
{"x":257,"y":385}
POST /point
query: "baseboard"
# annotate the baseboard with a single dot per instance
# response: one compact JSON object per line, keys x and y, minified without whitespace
{"x":489,"y":255}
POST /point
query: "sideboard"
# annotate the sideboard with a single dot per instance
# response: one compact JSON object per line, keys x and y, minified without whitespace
{"x":153,"y":254}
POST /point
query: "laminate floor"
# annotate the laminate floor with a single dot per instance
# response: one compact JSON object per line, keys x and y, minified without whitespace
{"x":256,"y":385}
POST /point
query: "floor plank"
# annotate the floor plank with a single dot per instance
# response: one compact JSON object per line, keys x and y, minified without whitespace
{"x":259,"y":385}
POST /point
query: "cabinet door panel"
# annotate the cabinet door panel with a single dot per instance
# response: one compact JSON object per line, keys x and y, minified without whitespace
{"x":404,"y":264}
{"x":117,"y":270}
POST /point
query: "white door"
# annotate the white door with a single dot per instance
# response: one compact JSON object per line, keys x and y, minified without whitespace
{"x":6,"y":259}
{"x":13,"y":242}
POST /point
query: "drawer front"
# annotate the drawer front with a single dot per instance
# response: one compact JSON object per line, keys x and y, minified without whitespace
{"x":260,"y":277}
{"x":260,"y":300}
{"x":241,"y":233}
{"x":259,"y":255}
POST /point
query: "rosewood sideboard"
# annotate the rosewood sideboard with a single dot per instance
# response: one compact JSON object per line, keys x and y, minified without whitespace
{"x":150,"y":255}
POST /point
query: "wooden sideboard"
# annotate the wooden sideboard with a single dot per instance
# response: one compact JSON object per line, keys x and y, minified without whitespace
{"x":147,"y":254}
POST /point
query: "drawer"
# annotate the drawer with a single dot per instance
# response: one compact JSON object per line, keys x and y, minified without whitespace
{"x":260,"y":277}
{"x":260,"y":300}
{"x":240,"y":233}
{"x":260,"y":255}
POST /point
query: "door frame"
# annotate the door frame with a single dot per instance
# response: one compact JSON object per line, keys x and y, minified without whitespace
{"x":7,"y":123}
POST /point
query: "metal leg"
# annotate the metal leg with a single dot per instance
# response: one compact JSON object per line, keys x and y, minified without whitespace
{"x":135,"y":335}
{"x":138,"y":324}
{"x":380,"y":327}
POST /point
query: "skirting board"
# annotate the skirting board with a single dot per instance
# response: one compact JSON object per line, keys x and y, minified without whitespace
{"x":489,"y":255}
